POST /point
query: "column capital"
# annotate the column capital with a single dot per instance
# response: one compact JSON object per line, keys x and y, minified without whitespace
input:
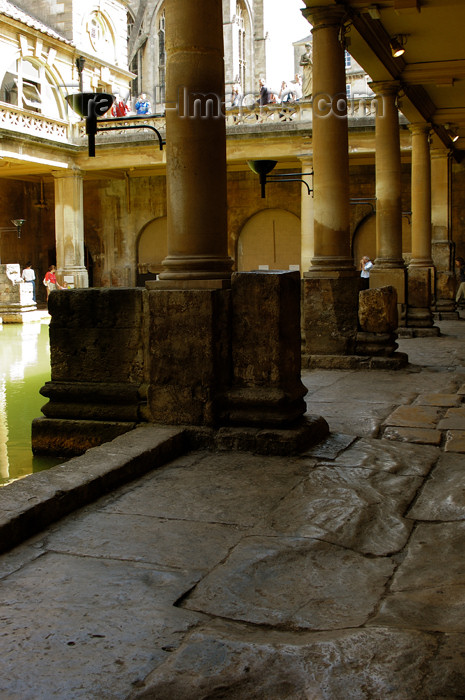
{"x":419,"y":128}
{"x":324,"y":16}
{"x":385,"y":87}
{"x":440,"y":152}
{"x":68,"y":173}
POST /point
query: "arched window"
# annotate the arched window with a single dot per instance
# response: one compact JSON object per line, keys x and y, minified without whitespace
{"x":241,"y":58}
{"x":29,"y":84}
{"x":161,"y":58}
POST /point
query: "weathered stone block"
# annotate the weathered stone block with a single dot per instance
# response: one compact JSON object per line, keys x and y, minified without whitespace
{"x":266,"y":349}
{"x":96,"y":335}
{"x":377,"y":310}
{"x":189,"y":354}
{"x":390,"y":277}
{"x":419,"y":287}
{"x":330,"y":315}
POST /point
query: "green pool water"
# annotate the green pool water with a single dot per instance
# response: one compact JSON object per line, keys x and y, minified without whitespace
{"x":24,"y":368}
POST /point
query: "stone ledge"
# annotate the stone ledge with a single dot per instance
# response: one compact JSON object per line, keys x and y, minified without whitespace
{"x":410,"y":332}
{"x":31,"y":504}
{"x":397,"y":360}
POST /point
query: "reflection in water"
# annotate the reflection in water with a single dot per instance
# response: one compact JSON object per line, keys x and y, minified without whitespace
{"x":24,"y":369}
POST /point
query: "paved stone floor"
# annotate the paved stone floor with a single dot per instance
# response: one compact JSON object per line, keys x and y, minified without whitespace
{"x":334,"y":575}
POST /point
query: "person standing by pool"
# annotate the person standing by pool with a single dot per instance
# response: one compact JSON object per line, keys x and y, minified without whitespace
{"x":29,"y":275}
{"x":50,"y":280}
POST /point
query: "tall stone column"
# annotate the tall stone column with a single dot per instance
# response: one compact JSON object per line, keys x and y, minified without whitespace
{"x":389,"y":266}
{"x":307,"y":215}
{"x":195,"y":143}
{"x":421,"y":270}
{"x":211,"y":362}
{"x":331,"y":284}
{"x":442,"y":247}
{"x":69,"y":228}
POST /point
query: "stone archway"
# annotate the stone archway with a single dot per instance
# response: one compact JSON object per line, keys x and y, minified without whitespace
{"x":364,"y":239}
{"x":271,"y":237}
{"x":152,"y":249}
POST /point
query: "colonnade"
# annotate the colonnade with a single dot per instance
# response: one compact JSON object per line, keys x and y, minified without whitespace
{"x":330,"y":316}
{"x":196,"y":181}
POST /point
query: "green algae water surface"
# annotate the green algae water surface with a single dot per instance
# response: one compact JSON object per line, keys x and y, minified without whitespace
{"x":24,"y":369}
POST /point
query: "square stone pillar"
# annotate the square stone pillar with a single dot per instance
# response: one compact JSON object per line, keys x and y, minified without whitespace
{"x":392,"y":277}
{"x":97,"y":356}
{"x":189,"y":360}
{"x":330,"y":315}
{"x":266,"y":350}
{"x":419,"y":316}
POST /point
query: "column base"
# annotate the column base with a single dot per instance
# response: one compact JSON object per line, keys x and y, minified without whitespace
{"x":74,"y":277}
{"x":71,"y":438}
{"x":295,"y":439}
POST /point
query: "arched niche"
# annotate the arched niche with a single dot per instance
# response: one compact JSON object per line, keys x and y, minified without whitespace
{"x":270,"y":237}
{"x":152,"y":248}
{"x":364,"y":239}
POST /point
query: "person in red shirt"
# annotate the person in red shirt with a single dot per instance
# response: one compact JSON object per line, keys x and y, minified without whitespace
{"x":50,"y":280}
{"x":119,"y":107}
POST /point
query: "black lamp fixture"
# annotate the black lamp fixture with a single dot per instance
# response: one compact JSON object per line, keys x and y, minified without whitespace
{"x":80,"y":62}
{"x":397,"y":44}
{"x":91,"y":105}
{"x":18,"y":223}
{"x":452,"y":132}
{"x":262,"y":168}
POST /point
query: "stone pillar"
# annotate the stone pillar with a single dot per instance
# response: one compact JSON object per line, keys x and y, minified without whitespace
{"x":331,"y":285}
{"x":195,"y":143}
{"x":442,"y":247}
{"x":69,"y":228}
{"x":307,"y":215}
{"x":389,"y":269}
{"x":421,"y":270}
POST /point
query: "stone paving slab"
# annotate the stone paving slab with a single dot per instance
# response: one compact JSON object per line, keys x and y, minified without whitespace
{"x":27,"y":505}
{"x":180,"y":544}
{"x":443,"y":495}
{"x":453,"y":420}
{"x":331,"y":447}
{"x":432,"y":609}
{"x":78,"y":624}
{"x":455,"y":441}
{"x":384,"y":455}
{"x":211,"y":490}
{"x":326,"y":587}
{"x":354,"y":508}
{"x":434,"y":558}
{"x":352,"y":418}
{"x":419,"y":436}
{"x":414,"y":416}
{"x":265,"y":665}
{"x":438,"y":399}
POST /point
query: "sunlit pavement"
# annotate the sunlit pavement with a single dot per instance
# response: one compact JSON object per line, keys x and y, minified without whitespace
{"x":336,"y":574}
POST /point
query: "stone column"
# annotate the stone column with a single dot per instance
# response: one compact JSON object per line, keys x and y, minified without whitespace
{"x":331,"y":284}
{"x":195,"y":143}
{"x":307,"y":215}
{"x":69,"y":228}
{"x":442,"y":247}
{"x":421,"y":270}
{"x":389,"y":266}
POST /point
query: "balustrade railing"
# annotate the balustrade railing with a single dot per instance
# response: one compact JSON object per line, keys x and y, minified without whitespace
{"x":23,"y":121}
{"x":26,"y":122}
